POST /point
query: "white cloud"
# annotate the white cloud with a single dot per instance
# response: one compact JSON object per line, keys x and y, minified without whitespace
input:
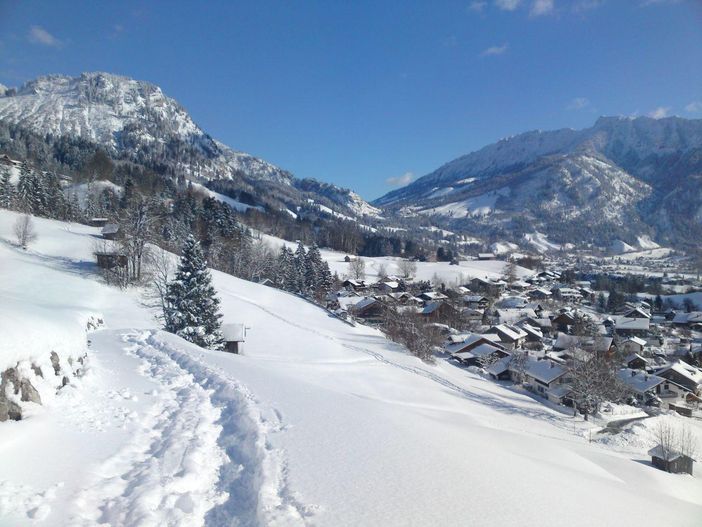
{"x":478,"y":6}
{"x":578,"y":103}
{"x":541,"y":7}
{"x":495,"y":50}
{"x":400,"y":181}
{"x":507,"y":5}
{"x":39,"y":35}
{"x":694,"y":107}
{"x":660,"y":112}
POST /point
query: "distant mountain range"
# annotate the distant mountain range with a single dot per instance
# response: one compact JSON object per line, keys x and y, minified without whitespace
{"x":623,"y":178}
{"x":135,"y":120}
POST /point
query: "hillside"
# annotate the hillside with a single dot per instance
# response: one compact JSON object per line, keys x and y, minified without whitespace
{"x":621,"y":178}
{"x":293,"y":431}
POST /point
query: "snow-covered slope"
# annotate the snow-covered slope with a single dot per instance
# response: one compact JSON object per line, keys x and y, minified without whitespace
{"x":317,"y":423}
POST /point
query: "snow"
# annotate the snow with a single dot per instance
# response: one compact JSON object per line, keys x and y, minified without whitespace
{"x":236,"y":205}
{"x":318,"y":423}
{"x":481,"y":205}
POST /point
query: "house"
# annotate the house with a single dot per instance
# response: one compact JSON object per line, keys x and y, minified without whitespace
{"x":642,"y":385}
{"x":486,"y":256}
{"x":534,"y":334}
{"x":367,"y":308}
{"x":488,"y":287}
{"x":110,"y":259}
{"x":684,"y":375}
{"x":475,"y":301}
{"x":544,"y":324}
{"x":600,"y":345}
{"x":567,"y":294}
{"x":437,"y":311}
{"x":636,"y":312}
{"x":476,"y":349}
{"x":432,"y":296}
{"x":110,"y":231}
{"x":670,"y":460}
{"x":403,"y":298}
{"x":539,"y":375}
{"x":563,"y":322}
{"x":511,"y":337}
{"x":688,"y":319}
{"x":234,"y":337}
{"x":388,"y":286}
{"x":625,"y":326}
{"x":633,"y":345}
{"x":354,"y":285}
{"x":635,"y":361}
{"x":499,"y":370}
{"x":539,"y":294}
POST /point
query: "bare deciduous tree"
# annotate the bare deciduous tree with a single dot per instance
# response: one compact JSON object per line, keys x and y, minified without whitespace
{"x":357,"y":268}
{"x":24,"y":231}
{"x":408,"y":268}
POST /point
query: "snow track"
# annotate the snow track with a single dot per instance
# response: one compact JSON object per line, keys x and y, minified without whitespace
{"x":200,"y":456}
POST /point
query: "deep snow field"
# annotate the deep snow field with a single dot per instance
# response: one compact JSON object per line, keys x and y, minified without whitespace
{"x":316,"y":423}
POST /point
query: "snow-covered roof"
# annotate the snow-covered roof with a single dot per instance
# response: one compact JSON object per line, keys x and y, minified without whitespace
{"x":684,"y":369}
{"x":667,"y":454}
{"x":234,"y":332}
{"x":511,"y":332}
{"x":634,"y":356}
{"x":474,"y":298}
{"x":500,"y":366}
{"x":545,"y":371}
{"x":110,"y":228}
{"x":560,"y":390}
{"x":636,"y":340}
{"x":688,"y":318}
{"x":639,"y":381}
{"x":631,"y":323}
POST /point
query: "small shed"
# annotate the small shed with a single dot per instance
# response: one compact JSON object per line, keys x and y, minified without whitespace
{"x":98,"y":222}
{"x":670,"y":460}
{"x":234,"y":337}
{"x":110,"y":231}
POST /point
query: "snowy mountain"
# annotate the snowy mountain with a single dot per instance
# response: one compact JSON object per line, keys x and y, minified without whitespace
{"x":623,"y":177}
{"x":135,"y":120}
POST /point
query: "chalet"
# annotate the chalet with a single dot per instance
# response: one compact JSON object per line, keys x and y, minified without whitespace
{"x":486,"y":256}
{"x":367,"y":308}
{"x":642,"y":385}
{"x":511,"y":337}
{"x":688,"y":319}
{"x":234,"y":337}
{"x":563,"y":322}
{"x":499,"y":370}
{"x":636,"y":312}
{"x":354,"y":285}
{"x":476,"y":349}
{"x":540,"y":375}
{"x":544,"y":324}
{"x":631,"y":326}
{"x":684,"y":375}
{"x":599,"y":345}
{"x":635,"y":361}
{"x":488,"y":287}
{"x":461,"y":343}
{"x":534,"y":334}
{"x":432,"y":296}
{"x":475,"y":301}
{"x":473,"y":314}
{"x":437,"y":311}
{"x":633,"y":345}
{"x":670,"y":460}
{"x":539,"y":294}
{"x":110,"y":259}
{"x":110,"y":231}
{"x":403,"y":298}
{"x":388,"y":286}
{"x":512,"y":316}
{"x":567,"y":294}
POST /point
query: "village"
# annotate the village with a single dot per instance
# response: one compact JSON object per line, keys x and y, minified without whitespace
{"x":553,"y":335}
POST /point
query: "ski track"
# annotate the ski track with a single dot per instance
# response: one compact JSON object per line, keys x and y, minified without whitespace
{"x":200,"y":456}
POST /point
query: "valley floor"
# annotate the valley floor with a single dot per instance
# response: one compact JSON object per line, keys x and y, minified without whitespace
{"x":316,"y":423}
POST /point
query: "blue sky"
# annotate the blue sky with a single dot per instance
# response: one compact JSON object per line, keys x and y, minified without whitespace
{"x":369,"y":94}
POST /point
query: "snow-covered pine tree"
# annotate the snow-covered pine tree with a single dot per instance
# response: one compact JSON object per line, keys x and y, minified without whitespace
{"x":7,"y":192}
{"x":299,"y":268}
{"x":286,"y":269}
{"x":27,"y":200}
{"x":313,"y":269}
{"x":326,"y":278}
{"x":192,"y":306}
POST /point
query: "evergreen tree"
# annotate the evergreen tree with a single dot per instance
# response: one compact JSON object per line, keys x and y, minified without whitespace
{"x":313,"y":269}
{"x":192,"y":307}
{"x":286,"y":269}
{"x":26,"y":191}
{"x":299,"y":268}
{"x":7,"y":192}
